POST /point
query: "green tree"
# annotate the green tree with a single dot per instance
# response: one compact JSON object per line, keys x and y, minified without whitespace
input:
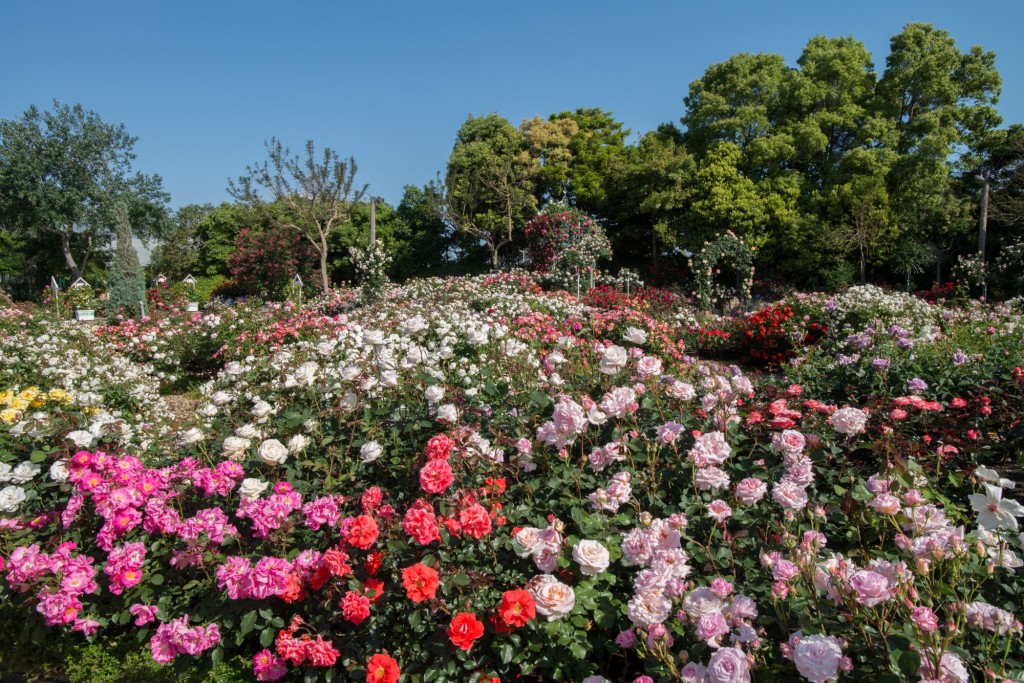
{"x":216,"y":233}
{"x":488,"y":190}
{"x":597,"y":148}
{"x":65,"y":173}
{"x":940,"y":100}
{"x":126,"y":285}
{"x":313,"y":197}
{"x":178,"y":252}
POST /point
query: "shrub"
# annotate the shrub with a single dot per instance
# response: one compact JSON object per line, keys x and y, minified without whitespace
{"x":265,"y":262}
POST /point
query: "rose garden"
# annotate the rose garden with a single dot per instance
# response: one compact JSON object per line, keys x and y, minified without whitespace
{"x":738,"y":401}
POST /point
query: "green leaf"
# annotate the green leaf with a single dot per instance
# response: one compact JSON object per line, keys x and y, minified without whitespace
{"x":217,"y":655}
{"x":37,"y":456}
{"x":266,"y":637}
{"x":157,"y":579}
{"x":461,"y":579}
{"x":248,"y":622}
{"x":507,"y":653}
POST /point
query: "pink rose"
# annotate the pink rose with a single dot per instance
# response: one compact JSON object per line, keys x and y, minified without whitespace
{"x":728,"y":665}
{"x":750,"y":491}
{"x":870,"y":588}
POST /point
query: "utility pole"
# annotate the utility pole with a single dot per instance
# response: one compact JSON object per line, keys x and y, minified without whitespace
{"x":373,"y":221}
{"x":986,"y":178}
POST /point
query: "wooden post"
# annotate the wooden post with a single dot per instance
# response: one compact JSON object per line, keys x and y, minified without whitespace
{"x":373,"y":221}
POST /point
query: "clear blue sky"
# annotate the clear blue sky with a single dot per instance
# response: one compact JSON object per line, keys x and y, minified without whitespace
{"x":203,"y":83}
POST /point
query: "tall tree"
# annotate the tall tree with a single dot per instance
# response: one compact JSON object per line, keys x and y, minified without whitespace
{"x":488,"y":190}
{"x":313,"y":197}
{"x":940,"y":100}
{"x":178,"y":252}
{"x":65,"y":173}
{"x":126,"y":284}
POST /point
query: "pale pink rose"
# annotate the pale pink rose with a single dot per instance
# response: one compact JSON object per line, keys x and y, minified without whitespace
{"x":750,"y":491}
{"x":790,"y":495}
{"x":709,"y":478}
{"x":925,"y":619}
{"x":728,"y":665}
{"x":719,"y":510}
{"x":848,"y":421}
{"x":951,"y":669}
{"x":712,"y":626}
{"x":789,"y":442}
{"x":816,"y":657}
{"x":886,"y":504}
{"x":870,"y":588}
{"x":784,"y":570}
{"x":554,"y":599}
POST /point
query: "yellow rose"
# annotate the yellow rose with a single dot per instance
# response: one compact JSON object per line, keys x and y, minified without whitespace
{"x":9,"y":415}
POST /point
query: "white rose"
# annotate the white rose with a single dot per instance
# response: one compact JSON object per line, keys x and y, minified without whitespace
{"x":234,"y":446}
{"x":273,"y":452}
{"x":325,"y":348}
{"x":297,"y":444}
{"x":613,"y":360}
{"x":596,"y":679}
{"x":593,"y":557}
{"x":233,"y":368}
{"x":5,"y":472}
{"x":190,"y":437}
{"x":373,"y":337}
{"x":306,"y":373}
{"x":554,"y":599}
{"x":81,"y":438}
{"x":350,"y":372}
{"x":370,"y":451}
{"x":11,"y":497}
{"x":59,"y":471}
{"x":348,"y":402}
{"x":434,"y":393}
{"x":367,"y":384}
{"x":208,"y":410}
{"x":414,"y":324}
{"x":247,"y":431}
{"x":389,"y":378}
{"x":250,"y":489}
{"x":262,"y":409}
{"x":219,"y":398}
{"x":635,"y":335}
{"x":477,"y":337}
{"x":24,"y":472}
{"x":448,"y":413}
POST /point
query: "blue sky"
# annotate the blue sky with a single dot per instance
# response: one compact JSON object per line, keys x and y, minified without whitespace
{"x":202,"y":84}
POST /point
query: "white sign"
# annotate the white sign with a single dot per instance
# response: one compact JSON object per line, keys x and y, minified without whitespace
{"x":189,"y":279}
{"x":79,"y":283}
{"x":297,"y":281}
{"x":53,"y":283}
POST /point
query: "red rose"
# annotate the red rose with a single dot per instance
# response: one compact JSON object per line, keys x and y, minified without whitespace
{"x":464,"y":630}
{"x":363,"y":532}
{"x":517,"y":608}
{"x":382,"y":669}
{"x":355,"y":607}
{"x":436,"y":476}
{"x":474,"y":521}
{"x":420,"y":582}
{"x":373,"y":589}
{"x":421,"y":524}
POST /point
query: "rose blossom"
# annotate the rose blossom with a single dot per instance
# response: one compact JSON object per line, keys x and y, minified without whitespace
{"x":592,"y":557}
{"x":719,"y":510}
{"x":750,"y":491}
{"x":816,"y":657}
{"x":848,"y":421}
{"x":925,"y":619}
{"x":870,"y":588}
{"x":728,"y":665}
{"x":553,"y":598}
{"x":273,"y":452}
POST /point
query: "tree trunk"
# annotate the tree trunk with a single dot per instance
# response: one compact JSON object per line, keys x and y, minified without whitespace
{"x":324,"y":282}
{"x":65,"y":245}
{"x":863,"y":278}
{"x":494,"y":258}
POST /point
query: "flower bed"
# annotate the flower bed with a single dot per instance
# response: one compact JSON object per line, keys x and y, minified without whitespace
{"x":474,"y":480}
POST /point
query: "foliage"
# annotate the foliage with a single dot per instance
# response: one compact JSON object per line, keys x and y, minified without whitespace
{"x":371,"y":263}
{"x":80,"y":297}
{"x":731,"y":254}
{"x":565,"y":239}
{"x":66,"y":173}
{"x":488,"y":186}
{"x":265,"y":262}
{"x":126,"y":286}
{"x":311,"y":198}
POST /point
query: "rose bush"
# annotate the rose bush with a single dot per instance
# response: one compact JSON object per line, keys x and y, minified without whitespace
{"x":473,"y":479}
